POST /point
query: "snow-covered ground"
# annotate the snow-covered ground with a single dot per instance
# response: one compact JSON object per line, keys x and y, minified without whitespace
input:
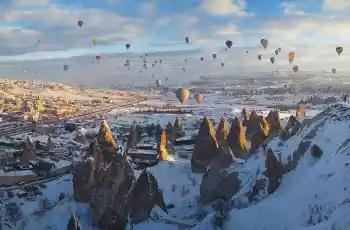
{"x":313,"y":196}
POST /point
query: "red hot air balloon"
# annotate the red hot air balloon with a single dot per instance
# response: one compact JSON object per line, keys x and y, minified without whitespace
{"x":80,"y":23}
{"x":198,"y":98}
{"x":98,"y":58}
{"x":229,"y":43}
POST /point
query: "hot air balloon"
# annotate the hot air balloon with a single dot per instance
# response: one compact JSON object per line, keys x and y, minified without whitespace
{"x":291,"y":57}
{"x":339,"y":50}
{"x":272,"y":60}
{"x":65,"y":67}
{"x":198,"y":98}
{"x":187,"y":39}
{"x":296,"y":69}
{"x":222,"y":64}
{"x":94,"y":41}
{"x":127,"y":46}
{"x":160,"y":61}
{"x":226,"y":49}
{"x":153,"y":75}
{"x":155,"y":61}
{"x":259,"y":57}
{"x":80,"y":23}
{"x":98,"y":58}
{"x":153,"y":65}
{"x":264,"y":43}
{"x":158,"y":82}
{"x":214,"y":56}
{"x":186,"y":60}
{"x":280,"y":50}
{"x":202,"y":58}
{"x":182,"y":94}
{"x":183,"y":69}
{"x":228,"y":43}
{"x":276,"y":52}
{"x":46,"y":66}
{"x":334,"y":70}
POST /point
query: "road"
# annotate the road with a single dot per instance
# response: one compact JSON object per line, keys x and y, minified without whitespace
{"x":10,"y":130}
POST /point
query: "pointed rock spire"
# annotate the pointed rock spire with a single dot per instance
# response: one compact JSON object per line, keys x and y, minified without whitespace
{"x":132,"y":138}
{"x":206,"y":147}
{"x":274,"y":122}
{"x":143,"y":196}
{"x":105,"y":139}
{"x":245,"y":117}
{"x":236,"y":139}
{"x":222,"y":132}
{"x":162,"y":151}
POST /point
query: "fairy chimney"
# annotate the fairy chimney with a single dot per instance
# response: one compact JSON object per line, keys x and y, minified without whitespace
{"x":161,"y":147}
{"x":49,"y":144}
{"x":106,"y":142}
{"x":222,"y":132}
{"x":206,"y":147}
{"x":236,"y":139}
{"x":245,"y":117}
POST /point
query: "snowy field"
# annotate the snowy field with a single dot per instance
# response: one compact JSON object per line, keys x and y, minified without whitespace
{"x":314,"y":196}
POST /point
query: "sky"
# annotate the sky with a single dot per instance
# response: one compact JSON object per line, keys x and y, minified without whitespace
{"x":311,"y":28}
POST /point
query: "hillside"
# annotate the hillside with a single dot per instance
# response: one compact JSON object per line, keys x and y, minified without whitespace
{"x":315,"y":195}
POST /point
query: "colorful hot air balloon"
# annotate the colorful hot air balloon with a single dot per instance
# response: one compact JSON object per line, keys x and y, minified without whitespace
{"x":98,"y":58}
{"x":228,"y":43}
{"x":187,"y":39}
{"x":339,"y":50}
{"x":198,"y":97}
{"x":158,"y":82}
{"x":214,"y":56}
{"x":296,"y":69}
{"x":127,"y":46}
{"x":65,"y":67}
{"x":259,"y":57}
{"x":182,"y":94}
{"x":264,"y":43}
{"x":272,"y":60}
{"x":80,"y":23}
{"x":291,"y":57}
{"x":94,"y":41}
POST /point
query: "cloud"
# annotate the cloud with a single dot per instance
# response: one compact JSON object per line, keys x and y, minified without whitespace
{"x":224,"y":7}
{"x":290,"y":9}
{"x":336,"y":5}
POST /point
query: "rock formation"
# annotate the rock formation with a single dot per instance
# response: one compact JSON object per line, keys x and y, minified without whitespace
{"x":236,"y":139}
{"x":206,"y":147}
{"x":273,"y":171}
{"x":245,"y":117}
{"x":29,"y":151}
{"x":293,"y":125}
{"x":222,"y":132}
{"x":106,"y":142}
{"x":49,"y":144}
{"x":73,"y":223}
{"x":81,"y":180}
{"x":221,"y":180}
{"x":158,"y":131}
{"x":178,"y":127}
{"x":132,"y":138}
{"x":143,"y":196}
{"x":300,"y":112}
{"x":170,"y":134}
{"x":316,"y":151}
{"x":161,"y":146}
{"x":264,"y":125}
{"x":80,"y":138}
{"x":253,"y":120}
{"x":108,"y":201}
{"x":274,"y":121}
{"x":257,"y":137}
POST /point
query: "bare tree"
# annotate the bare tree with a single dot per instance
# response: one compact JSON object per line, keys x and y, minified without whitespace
{"x":13,"y":212}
